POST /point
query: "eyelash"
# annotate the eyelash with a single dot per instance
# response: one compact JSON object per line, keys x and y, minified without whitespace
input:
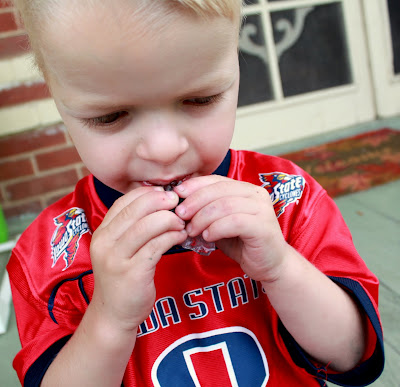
{"x":112,"y":118}
{"x":106,"y":120}
{"x":202,"y":101}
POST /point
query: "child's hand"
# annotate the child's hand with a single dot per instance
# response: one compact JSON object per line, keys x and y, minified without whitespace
{"x":125,"y":250}
{"x":239,"y":217}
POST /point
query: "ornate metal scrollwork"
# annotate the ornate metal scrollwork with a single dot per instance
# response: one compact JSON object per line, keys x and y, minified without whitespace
{"x":291,"y":33}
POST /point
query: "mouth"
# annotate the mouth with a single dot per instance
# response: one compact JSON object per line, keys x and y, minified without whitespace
{"x":168,"y":185}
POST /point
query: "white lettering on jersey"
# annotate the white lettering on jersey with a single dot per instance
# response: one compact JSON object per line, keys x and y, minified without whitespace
{"x":198,"y":304}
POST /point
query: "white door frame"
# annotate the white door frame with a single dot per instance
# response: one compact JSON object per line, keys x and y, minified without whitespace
{"x":5,"y":290}
{"x":386,"y":83}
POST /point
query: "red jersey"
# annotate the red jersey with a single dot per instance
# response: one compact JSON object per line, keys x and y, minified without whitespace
{"x":211,"y":324}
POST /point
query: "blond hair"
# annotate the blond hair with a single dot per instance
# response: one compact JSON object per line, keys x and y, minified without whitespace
{"x":30,"y":14}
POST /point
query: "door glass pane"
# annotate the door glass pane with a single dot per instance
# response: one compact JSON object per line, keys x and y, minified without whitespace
{"x":255,"y":83}
{"x":311,"y":48}
{"x":394,"y":15}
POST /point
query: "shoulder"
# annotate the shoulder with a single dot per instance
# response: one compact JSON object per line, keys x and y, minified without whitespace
{"x":58,"y":236}
{"x":249,"y":164}
{"x":83,"y":200}
{"x":285,"y":181}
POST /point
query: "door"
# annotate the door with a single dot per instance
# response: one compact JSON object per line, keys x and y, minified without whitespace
{"x":304,"y":70}
{"x":383,"y":29}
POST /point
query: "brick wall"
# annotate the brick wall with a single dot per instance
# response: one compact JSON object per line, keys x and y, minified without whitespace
{"x":38,"y":163}
{"x":12,"y":39}
{"x":13,"y":42}
{"x":36,"y":168}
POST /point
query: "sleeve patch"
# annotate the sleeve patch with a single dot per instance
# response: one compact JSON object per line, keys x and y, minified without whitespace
{"x":283,"y":189}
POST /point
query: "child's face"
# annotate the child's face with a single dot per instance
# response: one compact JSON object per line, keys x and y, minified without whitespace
{"x":145,"y":106}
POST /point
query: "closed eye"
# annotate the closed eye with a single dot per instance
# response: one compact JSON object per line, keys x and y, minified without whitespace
{"x":106,"y":120}
{"x":202,"y":101}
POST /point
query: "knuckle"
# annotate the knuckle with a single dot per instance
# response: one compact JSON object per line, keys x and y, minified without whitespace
{"x":172,"y":222}
{"x":153,"y":248}
{"x":126,"y":213}
{"x":96,"y":241}
{"x":121,"y":202}
{"x":100,"y":243}
{"x":140,"y":228}
{"x":236,"y":220}
{"x":227,"y":206}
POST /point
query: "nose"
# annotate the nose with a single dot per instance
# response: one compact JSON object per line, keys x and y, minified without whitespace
{"x":162,"y":142}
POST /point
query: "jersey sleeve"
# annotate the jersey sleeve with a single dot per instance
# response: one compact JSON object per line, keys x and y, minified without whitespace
{"x":312,"y":223}
{"x":41,"y":339}
{"x":52,"y":283}
{"x":321,"y":235}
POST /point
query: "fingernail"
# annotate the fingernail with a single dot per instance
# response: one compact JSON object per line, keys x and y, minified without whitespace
{"x":180,"y":188}
{"x":189,"y":228}
{"x":158,"y":188}
{"x":180,"y":210}
{"x":171,"y":194}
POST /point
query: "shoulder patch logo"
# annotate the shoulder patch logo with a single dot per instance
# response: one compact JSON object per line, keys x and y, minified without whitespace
{"x":283,"y":189}
{"x":71,"y":225}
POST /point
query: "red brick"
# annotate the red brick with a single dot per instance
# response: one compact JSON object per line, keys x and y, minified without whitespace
{"x":5,"y":4}
{"x":31,"y":140}
{"x":13,"y":169}
{"x":14,"y":45}
{"x":7,"y":22}
{"x":58,"y":158}
{"x":23,"y":93}
{"x":30,"y":207}
{"x":41,"y":185}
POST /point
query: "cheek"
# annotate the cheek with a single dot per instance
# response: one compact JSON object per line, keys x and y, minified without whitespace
{"x":220,"y":124}
{"x":215,"y":140}
{"x":216,"y":134}
{"x":221,"y":127}
{"x":99,"y":154}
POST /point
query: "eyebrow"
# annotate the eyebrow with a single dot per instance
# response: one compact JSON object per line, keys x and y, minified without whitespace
{"x":213,"y":86}
{"x":208,"y":90}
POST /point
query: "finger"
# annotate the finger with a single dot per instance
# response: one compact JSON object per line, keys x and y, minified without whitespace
{"x":194,"y":184}
{"x":219,"y":209}
{"x":125,"y":201}
{"x":139,"y":208}
{"x":150,"y":253}
{"x":232,"y":226}
{"x":220,"y":189}
{"x":145,"y":230}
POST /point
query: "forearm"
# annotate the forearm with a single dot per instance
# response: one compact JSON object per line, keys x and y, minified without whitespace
{"x":321,"y":316}
{"x":96,"y":355}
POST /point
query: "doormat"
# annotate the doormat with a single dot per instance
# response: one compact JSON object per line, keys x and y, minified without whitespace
{"x":352,"y":164}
